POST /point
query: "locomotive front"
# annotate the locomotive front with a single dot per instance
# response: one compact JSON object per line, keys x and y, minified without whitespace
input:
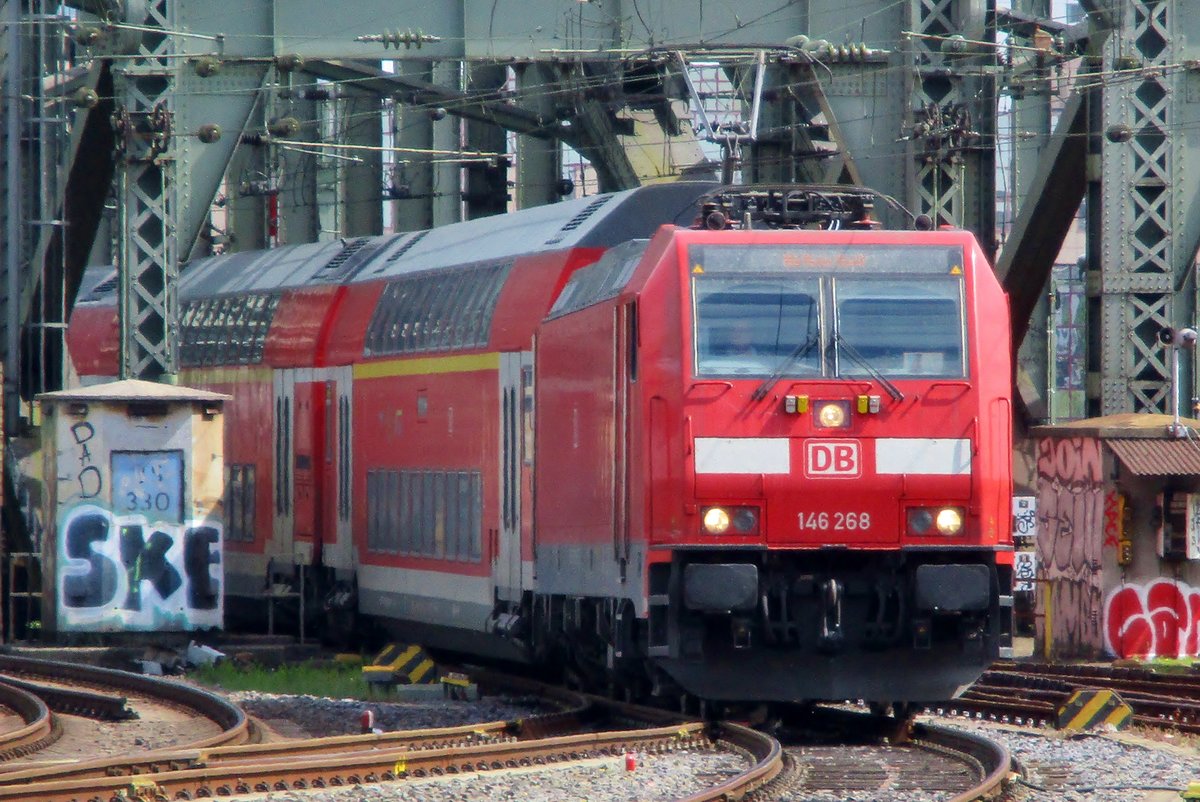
{"x":845,"y":478}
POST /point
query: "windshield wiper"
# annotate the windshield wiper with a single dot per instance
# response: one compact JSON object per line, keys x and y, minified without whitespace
{"x":862,"y":362}
{"x":796,"y":353}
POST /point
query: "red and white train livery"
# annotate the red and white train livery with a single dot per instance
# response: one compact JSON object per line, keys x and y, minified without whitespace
{"x":768,"y":461}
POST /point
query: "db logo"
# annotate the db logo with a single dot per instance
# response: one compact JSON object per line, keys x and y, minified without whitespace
{"x":827,"y":458}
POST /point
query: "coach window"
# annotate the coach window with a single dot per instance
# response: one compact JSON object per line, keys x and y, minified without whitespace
{"x":527,"y":414}
{"x":900,"y":326}
{"x":753,"y":328}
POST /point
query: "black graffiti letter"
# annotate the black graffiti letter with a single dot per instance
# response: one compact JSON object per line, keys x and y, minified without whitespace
{"x":98,"y":586}
{"x":82,"y":432}
{"x":90,"y":483}
{"x":147,"y":562}
{"x":197,"y":557}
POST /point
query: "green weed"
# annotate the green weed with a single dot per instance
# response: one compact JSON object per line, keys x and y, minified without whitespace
{"x":314,"y":679}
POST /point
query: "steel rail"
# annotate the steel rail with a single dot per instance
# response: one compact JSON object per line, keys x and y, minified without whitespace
{"x":994,"y":759}
{"x":228,"y":716}
{"x":574,"y":707}
{"x":89,"y":704}
{"x":39,"y":728}
{"x":766,"y":752}
{"x":1157,"y":700}
{"x":350,"y":768}
{"x":175,"y":759}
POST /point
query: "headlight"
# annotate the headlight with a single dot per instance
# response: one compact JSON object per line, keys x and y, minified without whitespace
{"x":949,"y":521}
{"x":833,"y":414}
{"x":934,"y":520}
{"x":920,"y":521}
{"x":745,"y":520}
{"x":716,"y":521}
{"x":729,"y":520}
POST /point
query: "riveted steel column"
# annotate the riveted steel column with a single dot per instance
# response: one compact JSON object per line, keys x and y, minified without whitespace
{"x":428,"y":191}
{"x":539,"y":161}
{"x":1029,"y":136}
{"x":10,"y":176}
{"x":486,"y":181}
{"x":363,"y":179}
{"x":1150,"y":223}
{"x":149,"y":246}
{"x":951,"y":121}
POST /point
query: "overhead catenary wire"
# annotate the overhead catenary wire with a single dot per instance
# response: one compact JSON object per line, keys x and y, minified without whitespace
{"x":550,"y":89}
{"x":467,"y":154}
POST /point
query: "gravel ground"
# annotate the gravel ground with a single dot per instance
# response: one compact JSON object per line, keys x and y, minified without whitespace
{"x":657,"y":778}
{"x":315,"y":717}
{"x":1095,"y":768}
{"x":1091,"y":768}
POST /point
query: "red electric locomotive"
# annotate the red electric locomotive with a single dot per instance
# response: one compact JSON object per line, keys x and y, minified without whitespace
{"x":761,"y":458}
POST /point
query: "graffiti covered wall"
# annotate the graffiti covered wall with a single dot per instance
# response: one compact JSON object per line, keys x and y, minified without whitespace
{"x":1160,"y":618}
{"x":137,"y":507}
{"x":1070,"y":511}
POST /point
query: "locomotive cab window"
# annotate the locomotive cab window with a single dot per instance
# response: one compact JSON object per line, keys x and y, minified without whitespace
{"x":899,"y":326}
{"x":752,"y":328}
{"x":828,"y":310}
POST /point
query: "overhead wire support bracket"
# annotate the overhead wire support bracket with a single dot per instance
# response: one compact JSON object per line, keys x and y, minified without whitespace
{"x":760,"y":70}
{"x":709,"y":133}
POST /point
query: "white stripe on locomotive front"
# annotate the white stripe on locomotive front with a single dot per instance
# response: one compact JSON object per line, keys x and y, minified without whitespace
{"x":743,"y":455}
{"x":923,"y":456}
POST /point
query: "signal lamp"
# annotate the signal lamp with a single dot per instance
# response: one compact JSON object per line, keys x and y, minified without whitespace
{"x":833,"y":414}
{"x":716,"y":521}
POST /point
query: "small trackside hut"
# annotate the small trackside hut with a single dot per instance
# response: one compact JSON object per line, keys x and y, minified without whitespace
{"x":134,"y":505}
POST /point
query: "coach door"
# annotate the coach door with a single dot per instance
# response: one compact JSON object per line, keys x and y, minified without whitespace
{"x":312,"y":458}
{"x":285,"y":400}
{"x":506,"y":563}
{"x":625,"y":373}
{"x":309,"y":409}
{"x":337,"y":485}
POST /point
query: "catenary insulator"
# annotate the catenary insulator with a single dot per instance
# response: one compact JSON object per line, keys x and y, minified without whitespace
{"x":85,"y":98}
{"x":208,"y":133}
{"x":207,"y":66}
{"x":284,"y":127}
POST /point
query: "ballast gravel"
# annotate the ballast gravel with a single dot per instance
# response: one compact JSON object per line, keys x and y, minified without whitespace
{"x":1090,"y":767}
{"x":656,"y":778}
{"x":318,"y":717}
{"x":1080,"y":768}
{"x":653,"y":778}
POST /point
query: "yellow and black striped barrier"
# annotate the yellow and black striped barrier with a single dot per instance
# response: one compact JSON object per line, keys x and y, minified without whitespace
{"x":404,"y":663}
{"x":1093,"y":707}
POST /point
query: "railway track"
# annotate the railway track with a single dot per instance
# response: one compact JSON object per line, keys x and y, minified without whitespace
{"x":832,"y":752}
{"x":40,"y":690}
{"x":1033,"y":693}
{"x":945,"y":761}
{"x":350,"y":760}
{"x":38,"y":729}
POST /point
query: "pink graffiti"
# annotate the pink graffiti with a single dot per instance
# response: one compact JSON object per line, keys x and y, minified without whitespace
{"x":1160,"y":619}
{"x":1112,"y":520}
{"x":1070,"y":513}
